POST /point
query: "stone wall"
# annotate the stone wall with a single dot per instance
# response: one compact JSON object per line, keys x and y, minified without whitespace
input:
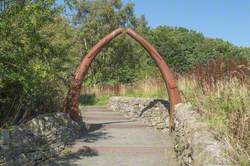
{"x":37,"y":140}
{"x":196,"y":144}
{"x":152,"y":112}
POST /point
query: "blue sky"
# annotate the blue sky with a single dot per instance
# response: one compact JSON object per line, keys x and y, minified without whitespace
{"x":225,"y":19}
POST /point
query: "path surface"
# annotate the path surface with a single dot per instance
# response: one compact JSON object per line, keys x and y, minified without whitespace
{"x":114,"y":140}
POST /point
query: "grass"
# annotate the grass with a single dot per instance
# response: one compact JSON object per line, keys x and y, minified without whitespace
{"x":226,"y":109}
{"x":102,"y":100}
{"x":153,"y":88}
{"x":99,"y":95}
{"x":220,"y":90}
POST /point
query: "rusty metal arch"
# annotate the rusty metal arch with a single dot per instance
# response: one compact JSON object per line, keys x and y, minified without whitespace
{"x":72,"y":99}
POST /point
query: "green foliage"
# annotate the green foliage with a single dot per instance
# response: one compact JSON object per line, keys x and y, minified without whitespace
{"x":102,"y":100}
{"x":87,"y":99}
{"x":90,"y":99}
{"x":29,"y":54}
{"x":182,"y":48}
{"x":95,"y":19}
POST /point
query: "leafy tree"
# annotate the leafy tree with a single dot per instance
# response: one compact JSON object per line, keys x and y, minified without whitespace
{"x":29,"y":55}
{"x":95,"y":19}
{"x":182,"y":48}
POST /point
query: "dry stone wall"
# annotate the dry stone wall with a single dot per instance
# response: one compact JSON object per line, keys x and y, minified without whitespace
{"x":152,"y":112}
{"x":38,"y":140}
{"x":195,"y":143}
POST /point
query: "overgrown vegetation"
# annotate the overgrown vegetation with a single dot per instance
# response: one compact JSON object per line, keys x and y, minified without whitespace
{"x":221,"y":93}
{"x":225,"y":109}
{"x":41,"y":43}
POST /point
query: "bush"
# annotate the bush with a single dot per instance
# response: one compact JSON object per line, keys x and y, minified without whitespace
{"x":29,"y":60}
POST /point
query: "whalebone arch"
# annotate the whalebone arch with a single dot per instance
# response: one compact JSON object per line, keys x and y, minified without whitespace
{"x":72,"y":99}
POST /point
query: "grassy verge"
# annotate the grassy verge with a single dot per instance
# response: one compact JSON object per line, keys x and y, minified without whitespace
{"x":226,"y":109}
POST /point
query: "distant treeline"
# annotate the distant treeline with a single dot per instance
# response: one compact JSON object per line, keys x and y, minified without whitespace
{"x":41,"y":42}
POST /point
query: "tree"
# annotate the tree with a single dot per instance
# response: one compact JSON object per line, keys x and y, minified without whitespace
{"x":95,"y":19}
{"x":29,"y":57}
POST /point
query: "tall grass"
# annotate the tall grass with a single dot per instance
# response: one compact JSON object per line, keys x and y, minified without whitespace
{"x":147,"y":88}
{"x":220,"y":91}
{"x":226,"y":109}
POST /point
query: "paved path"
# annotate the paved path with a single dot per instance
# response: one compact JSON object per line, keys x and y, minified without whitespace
{"x":114,"y":140}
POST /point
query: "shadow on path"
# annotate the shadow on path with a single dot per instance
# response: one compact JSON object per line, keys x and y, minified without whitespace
{"x":67,"y":158}
{"x":94,"y":133}
{"x":70,"y":155}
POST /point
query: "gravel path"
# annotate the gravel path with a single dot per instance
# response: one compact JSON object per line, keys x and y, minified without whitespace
{"x":114,"y":140}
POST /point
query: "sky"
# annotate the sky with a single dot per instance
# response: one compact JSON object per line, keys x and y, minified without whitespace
{"x":225,"y":19}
